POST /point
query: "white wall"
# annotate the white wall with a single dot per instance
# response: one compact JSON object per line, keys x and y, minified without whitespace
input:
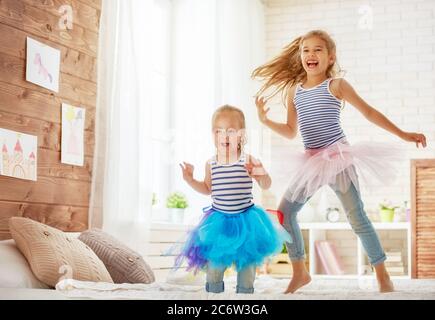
{"x":391,"y":65}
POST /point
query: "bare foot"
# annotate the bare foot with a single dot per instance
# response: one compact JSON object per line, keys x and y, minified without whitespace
{"x":298,"y":282}
{"x":385,"y":285}
{"x":384,"y":282}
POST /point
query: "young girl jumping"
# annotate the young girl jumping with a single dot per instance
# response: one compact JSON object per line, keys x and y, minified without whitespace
{"x":233,"y":230}
{"x":305,"y":74}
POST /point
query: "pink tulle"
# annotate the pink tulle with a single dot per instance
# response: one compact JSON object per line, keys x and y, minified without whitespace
{"x":341,"y":164}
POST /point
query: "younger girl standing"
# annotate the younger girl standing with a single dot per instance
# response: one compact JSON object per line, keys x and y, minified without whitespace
{"x":305,"y":73}
{"x":233,"y":230}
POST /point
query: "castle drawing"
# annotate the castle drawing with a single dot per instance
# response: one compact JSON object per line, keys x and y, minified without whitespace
{"x":16,"y":165}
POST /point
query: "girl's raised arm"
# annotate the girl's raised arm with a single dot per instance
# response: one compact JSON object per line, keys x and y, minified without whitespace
{"x":345,"y":91}
{"x":203,"y":187}
{"x":288,"y":129}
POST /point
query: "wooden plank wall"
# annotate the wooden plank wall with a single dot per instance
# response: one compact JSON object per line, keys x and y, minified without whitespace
{"x":423,"y":218}
{"x":60,"y":197}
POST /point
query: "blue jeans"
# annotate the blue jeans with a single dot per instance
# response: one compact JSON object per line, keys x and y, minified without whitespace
{"x":245,"y":280}
{"x":357,"y":217}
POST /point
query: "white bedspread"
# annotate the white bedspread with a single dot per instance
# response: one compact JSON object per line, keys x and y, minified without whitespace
{"x":266,"y":288}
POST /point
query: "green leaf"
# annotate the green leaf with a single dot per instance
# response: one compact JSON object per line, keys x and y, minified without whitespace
{"x":176,"y":200}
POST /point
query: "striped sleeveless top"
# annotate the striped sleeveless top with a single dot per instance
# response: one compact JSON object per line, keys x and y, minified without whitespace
{"x":231,"y":186}
{"x":318,"y":115}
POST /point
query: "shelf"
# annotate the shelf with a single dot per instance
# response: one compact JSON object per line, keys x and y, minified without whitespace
{"x":394,"y":237}
{"x":346,"y":276}
{"x":332,"y":276}
{"x":164,"y":225}
{"x":395,"y":242}
{"x":346,"y":225}
{"x":364,"y":276}
{"x":346,"y":246}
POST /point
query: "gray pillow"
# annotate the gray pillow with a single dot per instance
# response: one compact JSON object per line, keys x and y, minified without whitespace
{"x":124,"y":264}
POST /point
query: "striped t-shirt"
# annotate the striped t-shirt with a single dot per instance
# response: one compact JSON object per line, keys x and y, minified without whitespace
{"x":231,"y":186}
{"x":318,"y":115}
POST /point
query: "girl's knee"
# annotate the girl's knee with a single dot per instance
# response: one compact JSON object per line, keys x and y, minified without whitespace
{"x":288,"y":209}
{"x":356,"y":212}
{"x":283,"y":205}
{"x":359,"y":221}
{"x":214,"y":275}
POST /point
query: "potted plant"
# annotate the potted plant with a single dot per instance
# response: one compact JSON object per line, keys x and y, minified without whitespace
{"x":386,"y":211}
{"x":176,"y":203}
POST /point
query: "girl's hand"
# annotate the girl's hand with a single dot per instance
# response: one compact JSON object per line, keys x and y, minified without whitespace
{"x":415,"y":137}
{"x":262,"y":114}
{"x":255,"y":168}
{"x":187,"y":171}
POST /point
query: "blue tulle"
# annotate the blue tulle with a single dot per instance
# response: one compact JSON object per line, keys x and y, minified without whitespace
{"x":243,"y":239}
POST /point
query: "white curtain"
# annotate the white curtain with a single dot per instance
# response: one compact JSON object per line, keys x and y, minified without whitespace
{"x":122,"y":173}
{"x":211,"y":50}
{"x":217,"y":44}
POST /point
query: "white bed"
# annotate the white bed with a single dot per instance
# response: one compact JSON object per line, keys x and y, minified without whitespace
{"x":18,"y":282}
{"x":266,"y":288}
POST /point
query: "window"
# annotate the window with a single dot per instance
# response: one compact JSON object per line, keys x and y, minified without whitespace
{"x":161,"y":112}
{"x":203,"y":53}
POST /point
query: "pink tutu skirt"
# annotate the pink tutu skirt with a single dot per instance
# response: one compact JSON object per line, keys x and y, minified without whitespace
{"x":340,"y":165}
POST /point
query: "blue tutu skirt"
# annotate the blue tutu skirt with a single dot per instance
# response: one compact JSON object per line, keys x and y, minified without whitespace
{"x":222,"y":239}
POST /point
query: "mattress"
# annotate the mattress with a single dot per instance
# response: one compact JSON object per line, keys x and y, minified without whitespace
{"x":31,"y":294}
{"x":266,"y":288}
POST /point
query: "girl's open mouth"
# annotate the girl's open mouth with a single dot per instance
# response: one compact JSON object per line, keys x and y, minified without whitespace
{"x":312,"y":64}
{"x":225,"y":144}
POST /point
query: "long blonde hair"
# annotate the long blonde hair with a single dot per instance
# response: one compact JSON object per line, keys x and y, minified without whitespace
{"x":286,"y":70}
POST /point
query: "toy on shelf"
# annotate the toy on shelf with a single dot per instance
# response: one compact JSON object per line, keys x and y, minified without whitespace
{"x":278,"y":214}
{"x":329,"y":259}
{"x":279,"y":264}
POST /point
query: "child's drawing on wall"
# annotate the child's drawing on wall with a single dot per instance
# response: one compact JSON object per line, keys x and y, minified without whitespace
{"x":42,"y":70}
{"x":73,"y":122}
{"x":19,"y":152}
{"x":42,"y":67}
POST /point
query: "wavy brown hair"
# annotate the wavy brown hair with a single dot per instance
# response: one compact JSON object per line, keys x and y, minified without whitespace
{"x":286,"y":70}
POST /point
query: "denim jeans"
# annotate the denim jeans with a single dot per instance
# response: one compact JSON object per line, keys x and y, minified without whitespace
{"x":357,"y":217}
{"x":245,"y":280}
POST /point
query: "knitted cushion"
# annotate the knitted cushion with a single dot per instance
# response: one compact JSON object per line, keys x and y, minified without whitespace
{"x":53,"y":255}
{"x":123,"y":264}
